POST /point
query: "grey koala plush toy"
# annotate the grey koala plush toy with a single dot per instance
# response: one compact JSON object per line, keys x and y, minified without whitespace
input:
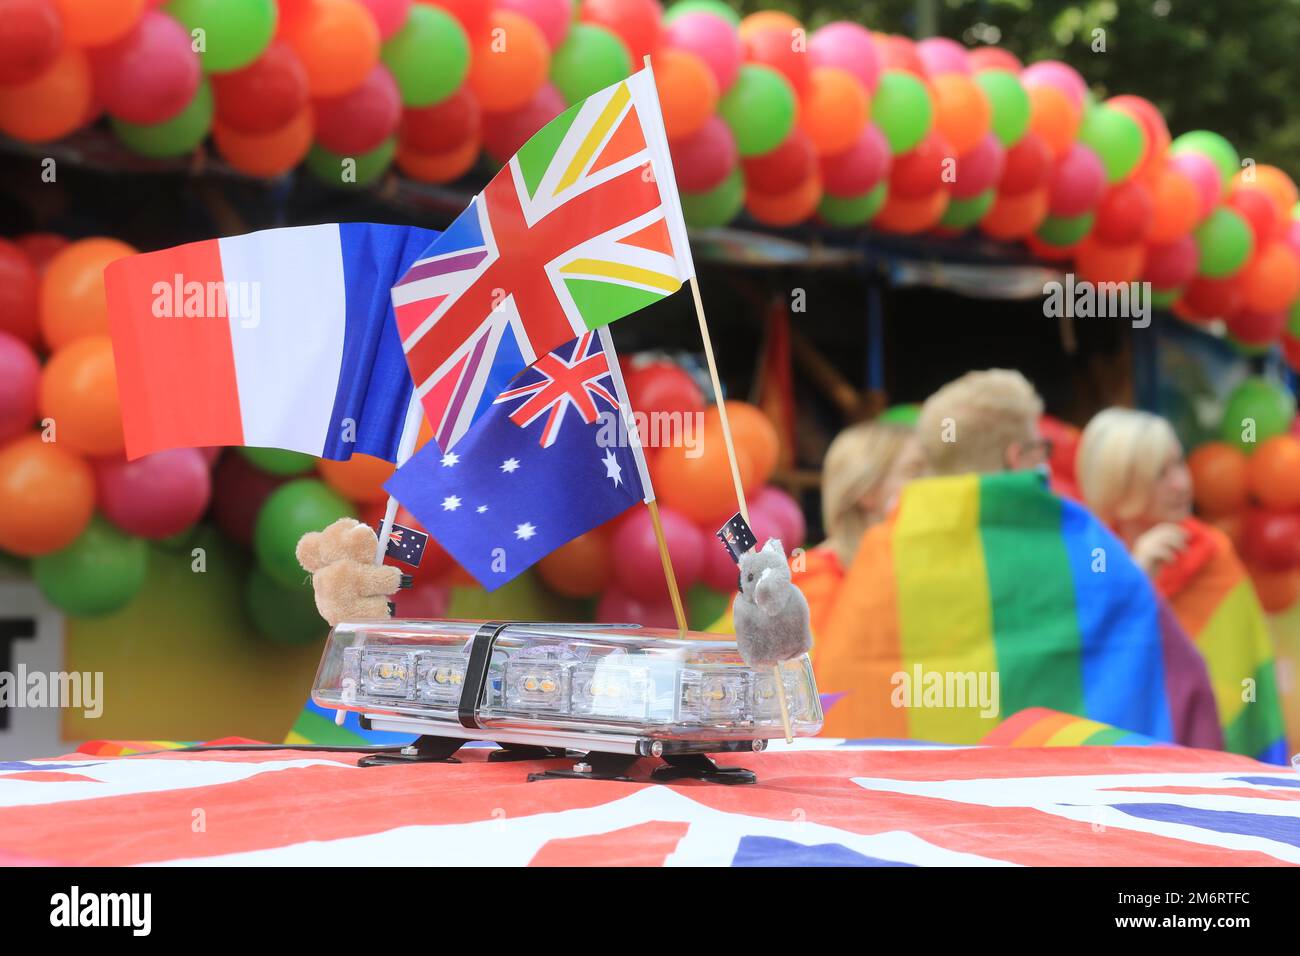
{"x":770,"y":613}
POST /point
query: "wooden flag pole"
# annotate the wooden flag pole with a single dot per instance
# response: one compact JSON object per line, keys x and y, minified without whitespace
{"x":674,"y":593}
{"x":718,"y":401}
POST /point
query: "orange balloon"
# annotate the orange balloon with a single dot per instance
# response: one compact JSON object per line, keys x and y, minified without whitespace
{"x":47,"y":495}
{"x":582,"y":568}
{"x":1102,"y":262}
{"x":752,"y":431}
{"x":700,"y":487}
{"x":909,"y":216}
{"x":266,"y":154}
{"x":767,"y":20}
{"x":508,"y":64}
{"x":96,"y":22}
{"x":1054,"y":118}
{"x":688,"y":91}
{"x":1232,"y":525}
{"x":787,"y":208}
{"x":1276,"y":184}
{"x":79,"y":391}
{"x":1219,"y":478}
{"x":834,"y":110}
{"x":444,"y":167}
{"x":962,"y":113}
{"x":361,"y":478}
{"x":337,"y":42}
{"x":1276,"y":590}
{"x":1176,"y":207}
{"x":1015,"y":217}
{"x":1271,"y":280}
{"x":51,"y":104}
{"x":73,"y":304}
{"x":1274,"y":473}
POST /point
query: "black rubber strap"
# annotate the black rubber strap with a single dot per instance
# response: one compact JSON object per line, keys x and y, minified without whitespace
{"x":476,"y":671}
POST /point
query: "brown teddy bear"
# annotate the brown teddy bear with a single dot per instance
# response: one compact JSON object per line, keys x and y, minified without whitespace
{"x":349,"y":586}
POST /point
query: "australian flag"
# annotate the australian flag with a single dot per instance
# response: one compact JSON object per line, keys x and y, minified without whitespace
{"x":549,"y":461}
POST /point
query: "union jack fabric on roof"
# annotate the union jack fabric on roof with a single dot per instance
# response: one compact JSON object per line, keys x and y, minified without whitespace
{"x":583,"y":226}
{"x":820,"y":802}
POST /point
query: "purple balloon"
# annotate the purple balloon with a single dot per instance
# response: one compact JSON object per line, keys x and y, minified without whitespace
{"x":1060,"y":75}
{"x":847,"y":46}
{"x":860,"y":167}
{"x":1172,"y":264}
{"x":149,"y":75}
{"x":20,"y":376}
{"x":156,"y":496}
{"x":390,"y":15}
{"x":712,"y":39}
{"x":1205,"y":176}
{"x":979,"y":168}
{"x":705,"y":158}
{"x":940,"y":55}
{"x":638,"y":569}
{"x":1077,"y":183}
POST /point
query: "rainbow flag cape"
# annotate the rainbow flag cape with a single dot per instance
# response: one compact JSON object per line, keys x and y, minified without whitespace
{"x":1212,"y":597}
{"x":983,"y":595}
{"x":1044,"y":727}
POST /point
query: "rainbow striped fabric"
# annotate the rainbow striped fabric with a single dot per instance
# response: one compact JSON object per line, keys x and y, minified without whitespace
{"x":1213,"y":599}
{"x":981,"y":596}
{"x":1044,"y":727}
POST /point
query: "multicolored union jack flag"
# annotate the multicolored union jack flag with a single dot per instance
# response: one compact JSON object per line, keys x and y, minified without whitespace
{"x":583,"y":226}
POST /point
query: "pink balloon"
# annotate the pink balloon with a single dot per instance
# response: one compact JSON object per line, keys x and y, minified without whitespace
{"x":847,"y":46}
{"x":1172,"y":264}
{"x":717,"y":570}
{"x":390,"y":15}
{"x":979,"y":168}
{"x":504,"y":133}
{"x":149,"y":75}
{"x":860,"y":167}
{"x":940,"y":55}
{"x":358,"y":121}
{"x":705,"y":158}
{"x":781,"y":512}
{"x":551,"y":16}
{"x":20,"y":376}
{"x":638,"y":569}
{"x":1291,"y":235}
{"x":712,"y":39}
{"x":156,"y":496}
{"x":993,"y":58}
{"x":1060,"y":75}
{"x":616,"y":607}
{"x":1205,"y":176}
{"x":1077,"y":183}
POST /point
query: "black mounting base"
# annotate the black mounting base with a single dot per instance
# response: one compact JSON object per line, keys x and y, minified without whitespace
{"x":428,"y":749}
{"x":693,"y":766}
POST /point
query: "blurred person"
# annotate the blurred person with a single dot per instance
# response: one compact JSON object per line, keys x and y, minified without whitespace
{"x":980,"y":596}
{"x":1133,"y":475}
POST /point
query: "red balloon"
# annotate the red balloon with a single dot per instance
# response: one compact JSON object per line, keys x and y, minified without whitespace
{"x":1271,"y":539}
{"x":860,"y":167}
{"x":705,"y":158}
{"x":1212,"y":298}
{"x":264,"y":96}
{"x":156,"y":496}
{"x":40,"y":247}
{"x":361,"y":120}
{"x":1077,"y":183}
{"x":505,"y":132}
{"x":1256,"y":328}
{"x":239,"y":489}
{"x":474,"y":15}
{"x":20,"y":286}
{"x":426,"y":599}
{"x":149,"y":75}
{"x":443,"y":126}
{"x":919,"y":172}
{"x":719,"y":572}
{"x":1124,"y":213}
{"x":1258,"y":210}
{"x":777,"y":47}
{"x":993,"y":58}
{"x":616,"y":607}
{"x":1172,"y":264}
{"x":1027,"y":166}
{"x":390,"y":15}
{"x":663,"y":387}
{"x":899,"y":53}
{"x":784,"y":168}
{"x":30,"y":39}
{"x":638,"y":568}
{"x":635,"y":22}
{"x":980,"y":168}
{"x":20,"y":378}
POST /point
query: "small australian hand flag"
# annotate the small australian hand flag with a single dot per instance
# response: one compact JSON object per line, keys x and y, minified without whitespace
{"x":736,"y":537}
{"x":405,"y":544}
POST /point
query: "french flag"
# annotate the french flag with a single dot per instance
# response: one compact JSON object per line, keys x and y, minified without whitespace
{"x":283,"y":338}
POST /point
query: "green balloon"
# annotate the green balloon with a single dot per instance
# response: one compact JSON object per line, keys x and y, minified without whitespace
{"x":715,"y":7}
{"x":428,"y":57}
{"x":905,"y":414}
{"x":1293,"y":320}
{"x":278,"y":461}
{"x":98,"y":573}
{"x":852,"y":210}
{"x":1009,"y":102}
{"x":1115,"y":137}
{"x":1250,"y":349}
{"x":759,"y":109}
{"x":1213,"y":146}
{"x":964,"y":213}
{"x":290,"y":512}
{"x":590,"y":59}
{"x":283,"y":615}
{"x":1164,"y":298}
{"x":1066,"y":230}
{"x":363,"y":170}
{"x":1225,"y":243}
{"x":717,"y":206}
{"x":235,"y":32}
{"x":1256,"y":402}
{"x":705,"y":606}
{"x":174,"y":137}
{"x":902,"y":109}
